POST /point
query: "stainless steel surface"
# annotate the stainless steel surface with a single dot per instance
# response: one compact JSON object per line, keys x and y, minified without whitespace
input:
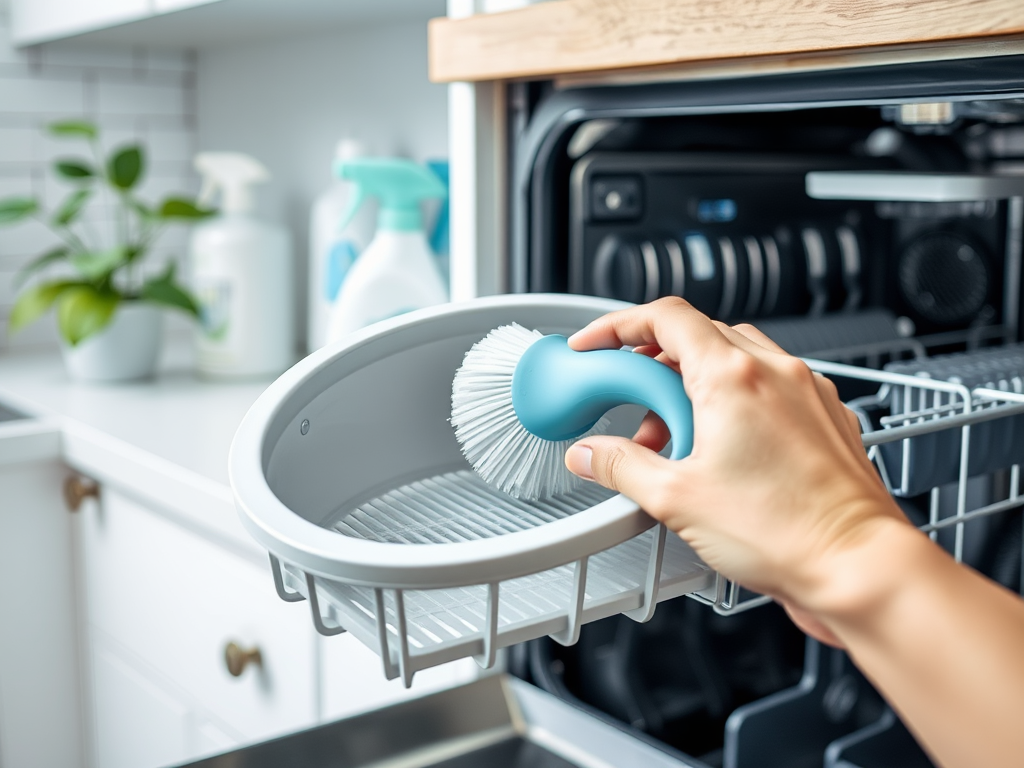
{"x":495,"y":722}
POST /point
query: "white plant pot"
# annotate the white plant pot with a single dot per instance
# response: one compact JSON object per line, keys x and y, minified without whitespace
{"x":126,"y":350}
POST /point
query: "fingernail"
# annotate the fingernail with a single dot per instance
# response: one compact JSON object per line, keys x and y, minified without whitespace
{"x":578,"y":459}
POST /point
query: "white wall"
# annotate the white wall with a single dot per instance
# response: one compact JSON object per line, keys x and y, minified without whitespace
{"x":133,"y":95}
{"x":288,"y":102}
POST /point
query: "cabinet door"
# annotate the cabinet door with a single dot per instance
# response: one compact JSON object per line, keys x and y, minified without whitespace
{"x":36,"y":21}
{"x":172,"y":601}
{"x":39,"y":680}
{"x":136,"y":723}
{"x":353,"y":681}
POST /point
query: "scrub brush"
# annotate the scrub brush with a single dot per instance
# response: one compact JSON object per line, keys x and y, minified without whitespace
{"x":521,"y":398}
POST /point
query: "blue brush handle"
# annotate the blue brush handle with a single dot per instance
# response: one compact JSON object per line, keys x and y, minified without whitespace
{"x":559,"y":394}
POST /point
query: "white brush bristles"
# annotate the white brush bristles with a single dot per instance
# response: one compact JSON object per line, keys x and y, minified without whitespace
{"x":493,"y":440}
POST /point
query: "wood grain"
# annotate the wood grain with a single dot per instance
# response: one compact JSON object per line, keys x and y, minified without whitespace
{"x":564,"y":37}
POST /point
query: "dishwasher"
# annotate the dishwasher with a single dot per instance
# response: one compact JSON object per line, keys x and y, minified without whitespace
{"x":869,"y":220}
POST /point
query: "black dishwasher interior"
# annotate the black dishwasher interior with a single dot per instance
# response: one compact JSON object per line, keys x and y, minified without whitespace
{"x":868,"y":216}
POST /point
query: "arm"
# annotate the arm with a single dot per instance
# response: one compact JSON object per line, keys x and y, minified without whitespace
{"x":779,"y":495}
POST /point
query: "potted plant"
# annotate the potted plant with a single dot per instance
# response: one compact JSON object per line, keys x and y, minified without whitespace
{"x":108,"y":307}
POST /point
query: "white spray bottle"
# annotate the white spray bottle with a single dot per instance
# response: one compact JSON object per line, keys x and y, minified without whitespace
{"x":397,"y":272}
{"x":242,"y":274}
{"x":336,"y":238}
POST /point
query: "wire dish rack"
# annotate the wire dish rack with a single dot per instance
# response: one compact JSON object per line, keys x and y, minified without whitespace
{"x":347,"y":471}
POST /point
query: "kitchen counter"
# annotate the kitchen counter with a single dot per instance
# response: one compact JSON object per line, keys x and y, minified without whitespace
{"x":165,"y":441}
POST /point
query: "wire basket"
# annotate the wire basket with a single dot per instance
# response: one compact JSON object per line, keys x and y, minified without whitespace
{"x":346,"y":469}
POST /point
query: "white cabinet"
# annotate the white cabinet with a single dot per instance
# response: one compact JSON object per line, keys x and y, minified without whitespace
{"x":35,"y":21}
{"x":38,"y":21}
{"x":161,"y":605}
{"x":39,"y":680}
{"x":352,"y":680}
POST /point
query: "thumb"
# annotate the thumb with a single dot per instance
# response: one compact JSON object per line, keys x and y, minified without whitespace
{"x":624,"y":466}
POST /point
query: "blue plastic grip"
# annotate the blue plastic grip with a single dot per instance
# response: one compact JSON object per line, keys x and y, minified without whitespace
{"x":559,"y":394}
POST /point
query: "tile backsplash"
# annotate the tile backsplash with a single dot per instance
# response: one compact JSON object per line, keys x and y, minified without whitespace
{"x":133,"y":95}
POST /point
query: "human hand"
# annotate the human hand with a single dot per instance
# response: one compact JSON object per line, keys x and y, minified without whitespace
{"x":778,"y":487}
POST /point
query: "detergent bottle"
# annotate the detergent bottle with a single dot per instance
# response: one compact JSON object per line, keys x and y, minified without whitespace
{"x":397,"y":272}
{"x":241,"y":271}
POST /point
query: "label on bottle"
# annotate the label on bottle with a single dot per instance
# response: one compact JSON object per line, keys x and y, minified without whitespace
{"x":214,"y":298}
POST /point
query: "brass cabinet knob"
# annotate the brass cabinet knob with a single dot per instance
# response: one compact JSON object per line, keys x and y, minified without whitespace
{"x":77,"y":489}
{"x":237,"y":658}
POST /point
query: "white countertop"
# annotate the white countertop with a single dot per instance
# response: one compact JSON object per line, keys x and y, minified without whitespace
{"x":164,"y":441}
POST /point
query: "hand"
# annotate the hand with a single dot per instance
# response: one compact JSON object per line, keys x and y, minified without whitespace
{"x":778,"y":485}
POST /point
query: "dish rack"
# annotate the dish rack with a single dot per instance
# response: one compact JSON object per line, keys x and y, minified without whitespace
{"x":347,"y":471}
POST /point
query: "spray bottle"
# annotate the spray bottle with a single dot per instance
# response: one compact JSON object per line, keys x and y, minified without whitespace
{"x":397,"y":272}
{"x":242,"y":275}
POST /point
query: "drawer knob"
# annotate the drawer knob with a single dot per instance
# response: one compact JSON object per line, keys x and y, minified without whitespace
{"x":77,"y":489}
{"x":237,"y":658}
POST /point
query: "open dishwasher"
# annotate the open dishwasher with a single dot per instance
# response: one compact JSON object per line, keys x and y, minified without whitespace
{"x":869,"y":221}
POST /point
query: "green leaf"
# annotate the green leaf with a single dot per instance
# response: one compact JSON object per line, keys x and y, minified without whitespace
{"x":73,"y":128}
{"x":99,"y":264}
{"x":55,"y":254}
{"x":15,"y":209}
{"x":83,"y":311}
{"x":180,"y":208}
{"x":34,"y":302}
{"x":75,"y":170}
{"x":71,"y":207}
{"x":164,"y":290}
{"x":125,"y":167}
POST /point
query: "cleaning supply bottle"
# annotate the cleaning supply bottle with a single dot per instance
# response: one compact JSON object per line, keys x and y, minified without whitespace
{"x":336,"y":238}
{"x":242,"y":276}
{"x":397,"y":272}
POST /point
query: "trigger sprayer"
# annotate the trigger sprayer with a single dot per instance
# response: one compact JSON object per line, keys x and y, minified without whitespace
{"x":233,"y":174}
{"x":397,"y":272}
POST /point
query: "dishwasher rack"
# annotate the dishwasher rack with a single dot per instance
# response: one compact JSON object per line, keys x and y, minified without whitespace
{"x":932,"y":422}
{"x":381,"y":527}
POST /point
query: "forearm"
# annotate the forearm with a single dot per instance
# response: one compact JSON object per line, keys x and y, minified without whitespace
{"x":942,"y":643}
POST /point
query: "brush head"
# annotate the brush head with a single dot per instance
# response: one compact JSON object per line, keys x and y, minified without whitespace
{"x":501,"y":450}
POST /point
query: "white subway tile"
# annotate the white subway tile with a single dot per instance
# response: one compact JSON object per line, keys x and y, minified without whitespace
{"x":70,"y":54}
{"x":16,"y":145}
{"x":139,"y":99}
{"x":25,"y":240}
{"x":170,"y":146}
{"x":169,"y":61}
{"x":8,"y":291}
{"x":41,"y":95}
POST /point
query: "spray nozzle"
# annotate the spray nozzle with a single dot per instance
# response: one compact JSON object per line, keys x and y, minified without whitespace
{"x":400,"y":185}
{"x":233,"y":174}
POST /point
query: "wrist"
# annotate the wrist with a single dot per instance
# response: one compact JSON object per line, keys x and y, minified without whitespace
{"x":856,"y":580}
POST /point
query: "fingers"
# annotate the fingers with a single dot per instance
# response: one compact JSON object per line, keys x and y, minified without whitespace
{"x":683,"y":333}
{"x":753,"y":334}
{"x":652,"y":433}
{"x":626,"y":467}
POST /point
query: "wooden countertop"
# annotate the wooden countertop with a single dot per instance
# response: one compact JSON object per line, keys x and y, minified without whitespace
{"x":567,"y":38}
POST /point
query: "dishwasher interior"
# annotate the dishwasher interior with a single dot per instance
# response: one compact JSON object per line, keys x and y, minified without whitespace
{"x":869,"y":219}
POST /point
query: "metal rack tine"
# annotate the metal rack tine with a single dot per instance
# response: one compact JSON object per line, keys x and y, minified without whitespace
{"x":490,"y":634}
{"x":404,"y":666}
{"x":282,"y":590}
{"x":646,"y":611}
{"x":314,"y":607}
{"x":390,"y":671}
{"x":571,"y":635}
